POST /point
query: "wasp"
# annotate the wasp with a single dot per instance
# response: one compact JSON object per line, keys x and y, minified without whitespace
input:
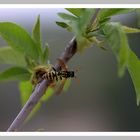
{"x":48,"y":72}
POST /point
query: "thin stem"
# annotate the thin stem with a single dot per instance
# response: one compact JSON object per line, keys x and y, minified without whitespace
{"x":94,"y":16}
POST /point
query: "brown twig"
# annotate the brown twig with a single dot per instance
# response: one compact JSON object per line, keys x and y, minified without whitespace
{"x":42,"y":87}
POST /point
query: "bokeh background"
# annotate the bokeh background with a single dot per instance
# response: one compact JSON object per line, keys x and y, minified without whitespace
{"x":100,"y":102}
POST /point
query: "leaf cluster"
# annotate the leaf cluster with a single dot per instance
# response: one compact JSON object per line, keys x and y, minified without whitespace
{"x":23,"y":53}
{"x":101,"y":32}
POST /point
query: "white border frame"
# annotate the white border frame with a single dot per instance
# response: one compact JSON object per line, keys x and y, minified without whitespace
{"x":69,"y":6}
{"x":131,"y":134}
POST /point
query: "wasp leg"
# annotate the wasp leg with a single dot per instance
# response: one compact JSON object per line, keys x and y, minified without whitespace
{"x":60,"y":88}
{"x":52,"y":85}
{"x":62,"y":64}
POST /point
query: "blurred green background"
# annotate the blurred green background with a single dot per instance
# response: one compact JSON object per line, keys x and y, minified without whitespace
{"x":100,"y":102}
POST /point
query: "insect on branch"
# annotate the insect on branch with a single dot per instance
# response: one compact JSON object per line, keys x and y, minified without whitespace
{"x":42,"y":87}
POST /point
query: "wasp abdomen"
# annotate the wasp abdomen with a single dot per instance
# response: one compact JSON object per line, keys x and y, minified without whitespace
{"x":54,"y":75}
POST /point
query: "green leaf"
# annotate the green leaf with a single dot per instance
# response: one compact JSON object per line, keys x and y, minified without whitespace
{"x":75,"y":11}
{"x":134,"y":70}
{"x":98,"y":33}
{"x":36,"y":31}
{"x":80,"y":29}
{"x":67,"y":16}
{"x":48,"y":94}
{"x":26,"y":89}
{"x":79,"y":25}
{"x":62,"y":24}
{"x":84,"y":21}
{"x":19,"y":39}
{"x":10,"y":56}
{"x":130,"y":29}
{"x":30,"y":62}
{"x":117,"y":40}
{"x":104,"y":13}
{"x":104,"y":21}
{"x":45,"y":54}
{"x":67,"y":85}
{"x":37,"y":35}
{"x":15,"y":73}
{"x":138,"y":16}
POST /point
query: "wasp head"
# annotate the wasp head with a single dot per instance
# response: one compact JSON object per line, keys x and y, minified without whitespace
{"x":38,"y":73}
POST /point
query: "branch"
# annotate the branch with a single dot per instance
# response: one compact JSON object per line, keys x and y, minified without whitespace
{"x":42,"y":87}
